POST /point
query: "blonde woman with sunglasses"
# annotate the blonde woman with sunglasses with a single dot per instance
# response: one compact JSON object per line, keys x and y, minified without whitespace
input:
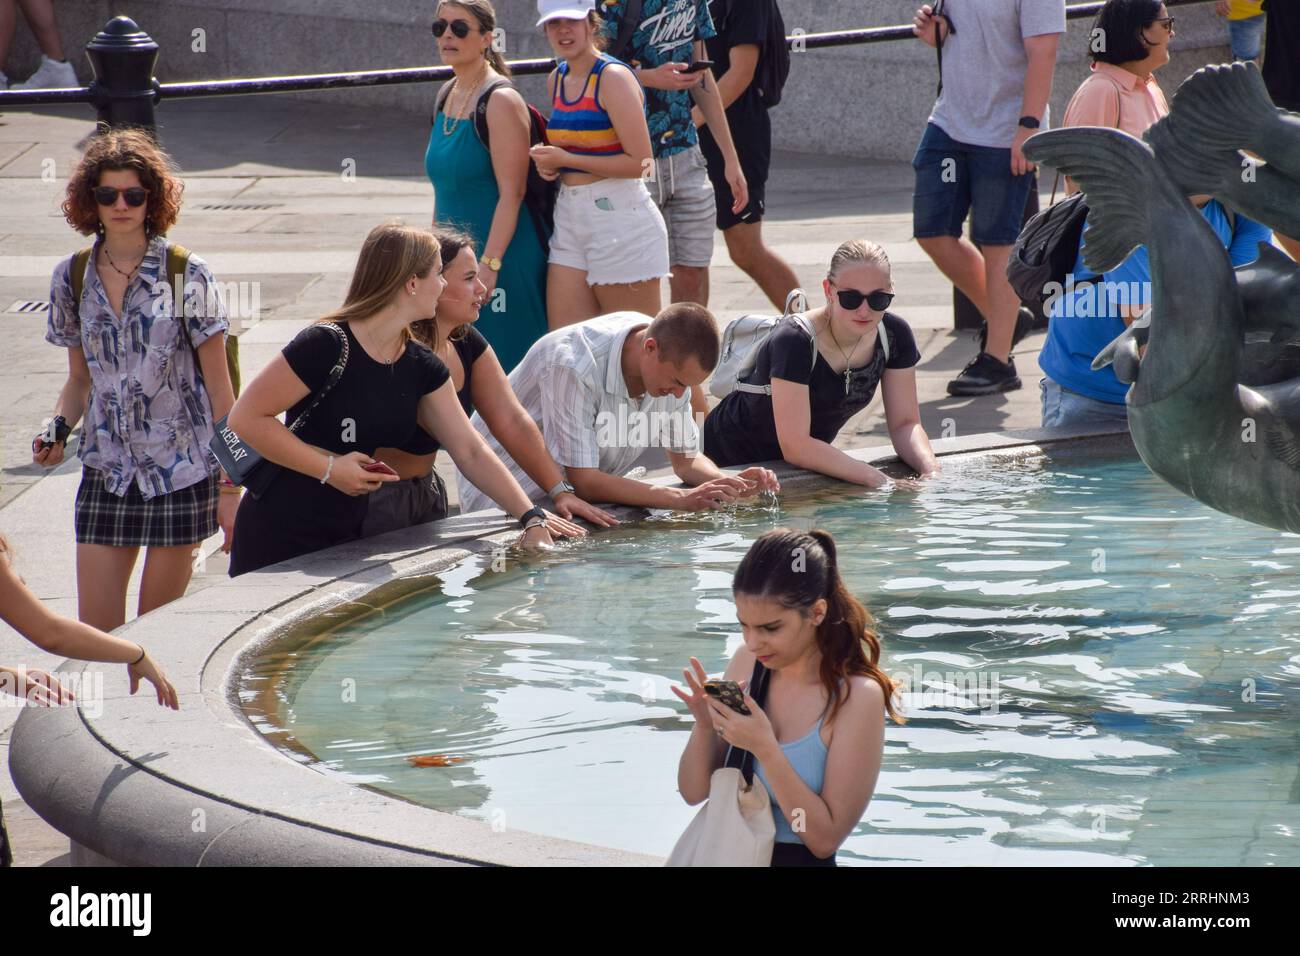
{"x":820,"y":368}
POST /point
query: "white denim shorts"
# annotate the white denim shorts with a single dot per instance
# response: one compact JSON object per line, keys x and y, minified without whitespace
{"x":612,"y":231}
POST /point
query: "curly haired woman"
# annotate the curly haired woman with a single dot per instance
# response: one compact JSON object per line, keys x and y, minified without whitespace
{"x":150,"y":379}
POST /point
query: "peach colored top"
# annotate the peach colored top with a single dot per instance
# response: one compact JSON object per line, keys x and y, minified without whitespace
{"x":1115,"y":98}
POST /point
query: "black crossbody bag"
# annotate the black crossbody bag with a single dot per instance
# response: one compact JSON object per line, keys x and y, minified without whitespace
{"x":241,"y":462}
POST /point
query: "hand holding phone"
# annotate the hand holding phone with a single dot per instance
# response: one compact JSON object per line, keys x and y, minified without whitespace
{"x":379,"y":468}
{"x":699,"y":66}
{"x":727,"y":692}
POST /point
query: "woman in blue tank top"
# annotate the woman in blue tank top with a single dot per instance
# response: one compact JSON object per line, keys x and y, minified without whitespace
{"x":819,"y":737}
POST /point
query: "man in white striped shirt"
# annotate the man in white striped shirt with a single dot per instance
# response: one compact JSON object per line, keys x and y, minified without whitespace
{"x":605,"y":390}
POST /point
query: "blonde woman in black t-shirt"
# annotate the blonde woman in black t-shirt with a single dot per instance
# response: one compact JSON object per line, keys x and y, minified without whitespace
{"x":391,"y":386}
{"x":818,"y":383}
{"x":480,"y":382}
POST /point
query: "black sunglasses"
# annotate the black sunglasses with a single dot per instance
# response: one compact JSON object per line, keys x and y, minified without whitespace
{"x":460,"y":28}
{"x":107,"y":195}
{"x":852,"y":299}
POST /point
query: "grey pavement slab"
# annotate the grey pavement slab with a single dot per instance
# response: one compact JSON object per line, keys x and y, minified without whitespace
{"x":288,"y":154}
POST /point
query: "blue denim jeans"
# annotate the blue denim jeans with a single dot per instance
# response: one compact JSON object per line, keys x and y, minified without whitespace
{"x":955,"y":178}
{"x":1246,"y":37}
{"x":1062,"y":407}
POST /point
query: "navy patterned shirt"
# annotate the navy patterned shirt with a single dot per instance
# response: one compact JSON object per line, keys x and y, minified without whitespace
{"x":148,"y":418}
{"x":667,"y":34}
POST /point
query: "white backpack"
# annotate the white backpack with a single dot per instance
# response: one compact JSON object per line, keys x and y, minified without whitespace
{"x":743,"y":336}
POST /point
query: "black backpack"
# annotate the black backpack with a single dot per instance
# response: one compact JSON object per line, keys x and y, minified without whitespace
{"x":1046,"y":250}
{"x":539,"y":195}
{"x":774,"y":59}
{"x":626,"y":27}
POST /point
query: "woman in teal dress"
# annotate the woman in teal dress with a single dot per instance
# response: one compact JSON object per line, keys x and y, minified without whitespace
{"x":480,"y":191}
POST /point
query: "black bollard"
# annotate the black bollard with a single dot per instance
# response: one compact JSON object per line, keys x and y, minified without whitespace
{"x":124,"y":90}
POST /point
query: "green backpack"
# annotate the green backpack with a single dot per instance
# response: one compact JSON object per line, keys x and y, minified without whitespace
{"x":178,"y":259}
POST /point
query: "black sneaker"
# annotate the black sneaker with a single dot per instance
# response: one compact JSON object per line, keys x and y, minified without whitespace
{"x":1026,"y":322}
{"x":985,"y":375}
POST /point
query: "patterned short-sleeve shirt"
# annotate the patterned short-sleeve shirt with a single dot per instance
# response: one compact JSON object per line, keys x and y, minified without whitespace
{"x":148,"y":417}
{"x":666,"y":34}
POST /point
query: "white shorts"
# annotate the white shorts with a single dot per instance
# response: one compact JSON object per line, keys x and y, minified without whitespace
{"x":612,"y":230}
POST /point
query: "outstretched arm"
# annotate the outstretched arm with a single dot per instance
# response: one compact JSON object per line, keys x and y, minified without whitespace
{"x":64,"y":637}
{"x":793,"y":414}
{"x":903,"y":419}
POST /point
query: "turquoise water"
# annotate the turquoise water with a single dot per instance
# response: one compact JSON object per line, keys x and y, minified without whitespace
{"x":1099,"y":671}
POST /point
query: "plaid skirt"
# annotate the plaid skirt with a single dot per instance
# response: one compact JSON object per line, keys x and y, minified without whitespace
{"x":186,"y":516}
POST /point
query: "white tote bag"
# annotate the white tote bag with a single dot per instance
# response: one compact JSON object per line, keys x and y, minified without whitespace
{"x":735,"y":827}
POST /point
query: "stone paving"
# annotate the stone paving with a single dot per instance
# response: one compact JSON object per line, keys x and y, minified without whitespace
{"x":280,"y":192}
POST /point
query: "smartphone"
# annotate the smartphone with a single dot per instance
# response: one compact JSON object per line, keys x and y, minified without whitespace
{"x":379,"y":468}
{"x":699,"y":66}
{"x":729,"y":693}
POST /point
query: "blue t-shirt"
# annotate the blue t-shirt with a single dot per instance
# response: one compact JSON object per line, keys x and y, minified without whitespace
{"x":667,"y":34}
{"x":1085,"y":321}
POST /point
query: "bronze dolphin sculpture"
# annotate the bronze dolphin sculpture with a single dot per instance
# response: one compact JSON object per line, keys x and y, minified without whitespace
{"x":1214,"y":403}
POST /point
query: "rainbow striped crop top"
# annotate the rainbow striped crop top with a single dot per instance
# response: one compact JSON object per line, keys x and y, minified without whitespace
{"x":582,"y":127}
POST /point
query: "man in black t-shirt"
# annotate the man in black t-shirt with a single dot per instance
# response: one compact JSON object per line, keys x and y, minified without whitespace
{"x":738,"y":49}
{"x":1282,"y":53}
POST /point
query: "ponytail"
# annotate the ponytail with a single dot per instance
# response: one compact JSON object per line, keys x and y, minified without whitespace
{"x":846,"y":638}
{"x":497,"y":61}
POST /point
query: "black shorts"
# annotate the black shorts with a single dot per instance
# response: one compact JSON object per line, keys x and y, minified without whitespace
{"x":405,"y":504}
{"x":753,"y":139}
{"x":796,"y":854}
{"x":185,"y":516}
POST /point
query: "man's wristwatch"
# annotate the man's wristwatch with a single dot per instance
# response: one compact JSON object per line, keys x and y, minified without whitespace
{"x":494,"y":263}
{"x":1030,"y":122}
{"x":562,"y":487}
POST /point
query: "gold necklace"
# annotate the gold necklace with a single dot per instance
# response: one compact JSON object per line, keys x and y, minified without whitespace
{"x":848,"y":372}
{"x":449,"y":125}
{"x":388,"y":362}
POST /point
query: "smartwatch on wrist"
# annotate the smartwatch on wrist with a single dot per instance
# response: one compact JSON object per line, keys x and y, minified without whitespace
{"x":561,"y":488}
{"x":1030,"y":122}
{"x":531,"y":513}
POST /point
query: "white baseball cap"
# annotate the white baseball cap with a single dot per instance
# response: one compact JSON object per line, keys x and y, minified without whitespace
{"x":564,"y":9}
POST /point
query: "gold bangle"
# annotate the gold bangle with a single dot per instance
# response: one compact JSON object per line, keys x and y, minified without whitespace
{"x":230,"y":491}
